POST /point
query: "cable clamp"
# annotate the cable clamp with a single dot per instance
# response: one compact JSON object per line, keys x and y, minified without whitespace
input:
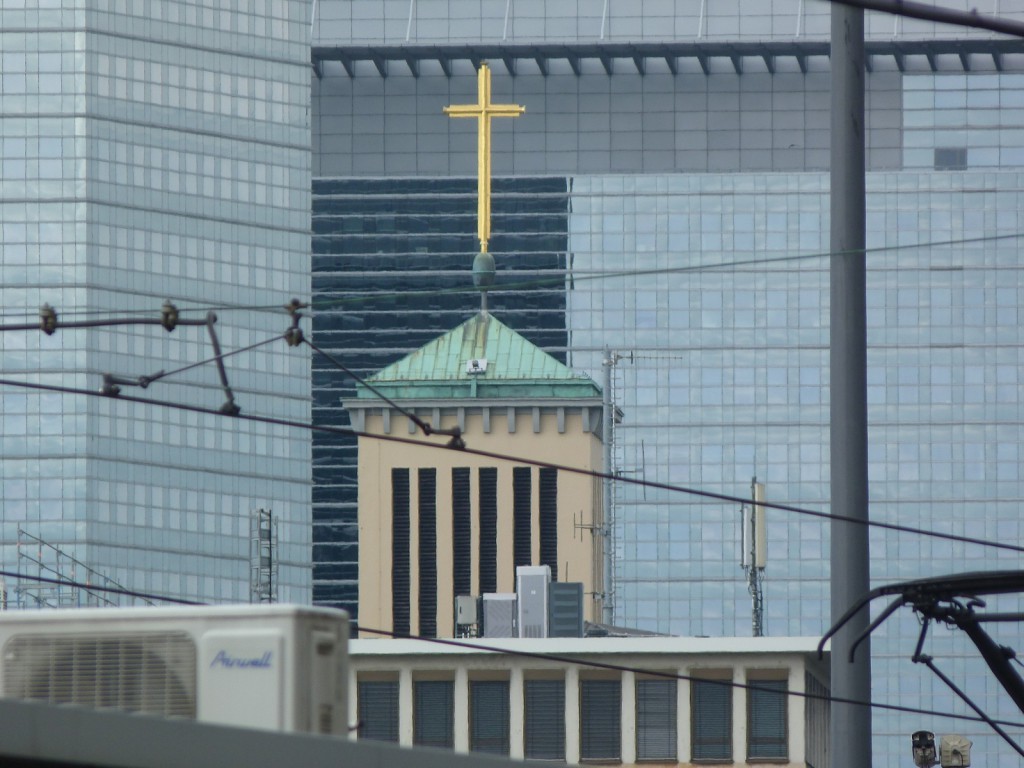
{"x":109,"y":388}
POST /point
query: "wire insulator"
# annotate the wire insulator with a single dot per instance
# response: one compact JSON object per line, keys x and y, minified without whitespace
{"x":169,"y":316}
{"x":47,"y":319}
{"x":293,"y":336}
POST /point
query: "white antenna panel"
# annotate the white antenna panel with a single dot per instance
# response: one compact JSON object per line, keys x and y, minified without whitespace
{"x":760,"y":548}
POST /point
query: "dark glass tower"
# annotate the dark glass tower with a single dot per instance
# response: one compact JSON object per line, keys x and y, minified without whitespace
{"x":391,"y":271}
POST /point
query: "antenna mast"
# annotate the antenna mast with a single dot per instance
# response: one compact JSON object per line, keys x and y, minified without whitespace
{"x":754,"y":553}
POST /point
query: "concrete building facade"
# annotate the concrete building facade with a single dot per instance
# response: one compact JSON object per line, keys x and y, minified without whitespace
{"x":664,"y":701}
{"x":153,"y":151}
{"x":437,"y":524}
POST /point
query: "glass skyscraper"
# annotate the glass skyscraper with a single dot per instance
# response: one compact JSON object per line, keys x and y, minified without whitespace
{"x":153,"y":151}
{"x":690,"y":147}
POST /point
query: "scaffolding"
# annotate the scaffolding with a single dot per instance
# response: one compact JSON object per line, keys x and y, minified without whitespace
{"x":70,"y":583}
{"x":263,"y":557}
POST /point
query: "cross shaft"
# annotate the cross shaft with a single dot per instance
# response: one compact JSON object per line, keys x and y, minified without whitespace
{"x":484,"y":111}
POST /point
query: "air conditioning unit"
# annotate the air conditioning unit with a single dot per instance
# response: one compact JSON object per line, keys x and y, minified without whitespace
{"x":276,"y":667}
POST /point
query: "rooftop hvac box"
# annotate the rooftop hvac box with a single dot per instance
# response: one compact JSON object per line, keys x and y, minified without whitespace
{"x":466,"y":610}
{"x":499,"y":615}
{"x":565,"y":609}
{"x":276,"y":667}
{"x":532,"y":589}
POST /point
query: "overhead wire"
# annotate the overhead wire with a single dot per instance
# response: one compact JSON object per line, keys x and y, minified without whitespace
{"x":939,"y":14}
{"x":558,"y":278}
{"x":96,"y":588}
{"x":536,"y":655}
{"x":347,"y":431}
{"x":611,"y":666}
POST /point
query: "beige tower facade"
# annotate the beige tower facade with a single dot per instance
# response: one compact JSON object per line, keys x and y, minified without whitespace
{"x":437,"y":522}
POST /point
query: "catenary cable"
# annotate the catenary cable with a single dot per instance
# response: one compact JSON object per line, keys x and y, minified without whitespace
{"x":667,"y":675}
{"x":95,"y":588}
{"x":722,"y":497}
{"x":939,"y":14}
{"x":559,"y":278}
{"x":532,"y":654}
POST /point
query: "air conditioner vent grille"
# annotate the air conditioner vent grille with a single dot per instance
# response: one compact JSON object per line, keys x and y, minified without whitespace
{"x":153,"y":673}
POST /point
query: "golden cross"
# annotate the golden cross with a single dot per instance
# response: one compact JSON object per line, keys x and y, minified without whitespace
{"x":483,"y":111}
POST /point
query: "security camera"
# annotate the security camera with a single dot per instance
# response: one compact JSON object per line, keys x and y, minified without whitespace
{"x":923,"y":748}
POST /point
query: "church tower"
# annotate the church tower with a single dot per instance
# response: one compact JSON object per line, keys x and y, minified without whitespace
{"x":437,"y":522}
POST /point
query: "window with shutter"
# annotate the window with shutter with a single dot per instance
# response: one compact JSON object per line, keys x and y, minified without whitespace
{"x":433,"y":713}
{"x":462,"y":537}
{"x":549,"y":519}
{"x":488,"y":716}
{"x":488,"y":530}
{"x":428,"y":551}
{"x":522,"y":527}
{"x":600,"y":728}
{"x":766,"y":719}
{"x":400,"y":585}
{"x":711,"y":714}
{"x":656,"y":720}
{"x":544,"y":719}
{"x":378,"y":710}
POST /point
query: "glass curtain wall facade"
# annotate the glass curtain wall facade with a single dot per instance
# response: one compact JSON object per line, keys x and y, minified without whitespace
{"x":391,"y":272}
{"x":152,"y":152}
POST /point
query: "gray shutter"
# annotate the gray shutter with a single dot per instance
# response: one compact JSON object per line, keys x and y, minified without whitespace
{"x":400,"y":583}
{"x":544,"y":719}
{"x":711,"y":711}
{"x":488,"y":530}
{"x":600,"y":728}
{"x":462,"y":538}
{"x":433,"y":713}
{"x":378,"y":710}
{"x":549,"y":519}
{"x":428,"y":551}
{"x":522,"y":517}
{"x":656,"y":719}
{"x":766,"y":718}
{"x":488,"y":716}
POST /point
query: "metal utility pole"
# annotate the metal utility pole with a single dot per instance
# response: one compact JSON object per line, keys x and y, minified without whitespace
{"x":850,"y":728}
{"x":610,"y":359}
{"x":263,"y":557}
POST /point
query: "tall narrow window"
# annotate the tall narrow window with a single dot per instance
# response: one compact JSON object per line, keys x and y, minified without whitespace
{"x":711,"y":712}
{"x":549,"y":519}
{"x":488,"y":716}
{"x":378,"y":710}
{"x":433,"y":713}
{"x":544,"y":719}
{"x":656,"y":719}
{"x":462,"y":534}
{"x":766,"y":719}
{"x":400,"y":584}
{"x":488,"y":530}
{"x":522,"y":523}
{"x":600,"y":728}
{"x":428,"y":551}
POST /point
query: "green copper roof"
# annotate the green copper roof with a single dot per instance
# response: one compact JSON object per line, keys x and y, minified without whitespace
{"x":509,"y":366}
